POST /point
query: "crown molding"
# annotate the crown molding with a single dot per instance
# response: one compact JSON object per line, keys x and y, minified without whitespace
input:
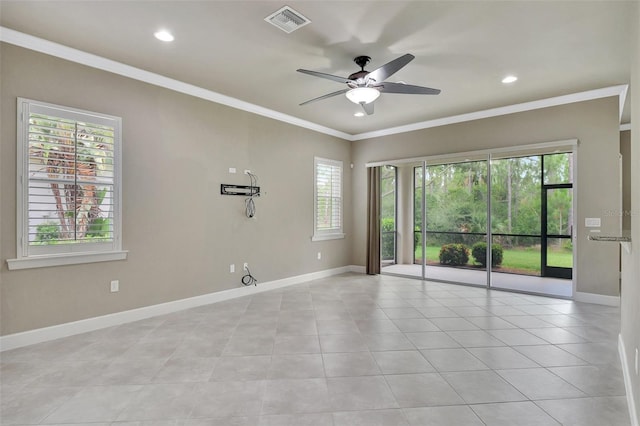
{"x":588,"y":95}
{"x":37,"y":44}
{"x":78,"y":56}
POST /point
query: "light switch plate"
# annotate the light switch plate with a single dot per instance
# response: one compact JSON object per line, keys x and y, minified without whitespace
{"x":592,"y":222}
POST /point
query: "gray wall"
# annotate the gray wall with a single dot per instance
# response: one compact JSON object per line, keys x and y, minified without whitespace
{"x":595,"y":124}
{"x":180,"y":232}
{"x":630,"y":301}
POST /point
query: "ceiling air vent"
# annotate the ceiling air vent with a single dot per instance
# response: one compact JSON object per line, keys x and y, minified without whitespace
{"x":287,"y":19}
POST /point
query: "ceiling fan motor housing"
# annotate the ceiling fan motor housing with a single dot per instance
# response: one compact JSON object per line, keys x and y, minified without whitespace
{"x":359,"y":77}
{"x":362,"y":61}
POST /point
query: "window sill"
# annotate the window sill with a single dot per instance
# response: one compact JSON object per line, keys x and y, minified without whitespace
{"x":44,"y":261}
{"x":323,"y":237}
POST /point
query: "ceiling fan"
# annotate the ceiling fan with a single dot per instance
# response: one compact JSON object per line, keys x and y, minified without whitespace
{"x":364,"y":87}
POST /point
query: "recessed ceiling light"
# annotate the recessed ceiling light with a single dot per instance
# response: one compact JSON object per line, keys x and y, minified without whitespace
{"x":164,"y":35}
{"x":359,"y":114}
{"x":509,"y":79}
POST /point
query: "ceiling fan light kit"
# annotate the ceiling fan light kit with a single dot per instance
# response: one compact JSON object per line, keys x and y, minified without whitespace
{"x":364,"y":87}
{"x":363,"y":95}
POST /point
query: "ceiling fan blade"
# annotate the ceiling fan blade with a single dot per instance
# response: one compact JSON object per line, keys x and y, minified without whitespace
{"x":408,"y":89}
{"x":368,"y":108}
{"x":390,"y":68}
{"x":329,"y":95}
{"x":327,"y":76}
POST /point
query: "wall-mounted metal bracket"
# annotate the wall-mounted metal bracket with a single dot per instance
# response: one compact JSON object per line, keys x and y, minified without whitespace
{"x":244,"y":190}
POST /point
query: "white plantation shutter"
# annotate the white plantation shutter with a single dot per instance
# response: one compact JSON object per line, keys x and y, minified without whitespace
{"x":328,"y":199}
{"x":68,"y":180}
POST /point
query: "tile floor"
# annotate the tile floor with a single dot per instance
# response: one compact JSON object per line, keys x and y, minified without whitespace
{"x":347,"y":350}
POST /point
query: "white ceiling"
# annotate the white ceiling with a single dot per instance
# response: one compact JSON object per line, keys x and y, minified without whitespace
{"x":463,"y":48}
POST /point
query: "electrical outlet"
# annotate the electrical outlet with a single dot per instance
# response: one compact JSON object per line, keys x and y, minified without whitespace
{"x":319,"y":255}
{"x":232,"y":268}
{"x":232,"y":169}
{"x":247,"y":171}
{"x":115,"y":286}
{"x":636,"y":361}
{"x":245,"y":266}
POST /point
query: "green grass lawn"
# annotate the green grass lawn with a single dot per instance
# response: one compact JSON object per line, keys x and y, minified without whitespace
{"x":526,"y":260}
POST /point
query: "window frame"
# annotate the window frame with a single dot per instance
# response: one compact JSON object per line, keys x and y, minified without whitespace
{"x":334,"y":233}
{"x":62,"y":254}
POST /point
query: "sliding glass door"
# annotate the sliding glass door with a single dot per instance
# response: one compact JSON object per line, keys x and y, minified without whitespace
{"x":455,"y":203}
{"x":557,"y":216}
{"x":438,"y":226}
{"x":388,"y":222}
{"x":516,"y":215}
{"x":532,"y":223}
{"x":557,"y":258}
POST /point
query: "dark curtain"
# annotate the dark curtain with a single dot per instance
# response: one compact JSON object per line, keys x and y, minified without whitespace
{"x":373,"y":220}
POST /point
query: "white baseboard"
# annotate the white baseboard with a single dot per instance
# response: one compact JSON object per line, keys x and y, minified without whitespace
{"x":599,"y":299}
{"x":358,"y":269}
{"x":17,"y":340}
{"x":633,"y":414}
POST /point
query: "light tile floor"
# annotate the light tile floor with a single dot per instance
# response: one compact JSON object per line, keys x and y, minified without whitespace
{"x":347,"y":350}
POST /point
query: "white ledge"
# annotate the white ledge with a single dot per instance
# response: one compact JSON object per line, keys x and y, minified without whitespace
{"x":609,"y":238}
{"x":324,"y":237}
{"x":65,"y":259}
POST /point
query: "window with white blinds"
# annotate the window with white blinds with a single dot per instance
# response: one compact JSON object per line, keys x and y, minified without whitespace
{"x":68,"y":180}
{"x":328,"y":199}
